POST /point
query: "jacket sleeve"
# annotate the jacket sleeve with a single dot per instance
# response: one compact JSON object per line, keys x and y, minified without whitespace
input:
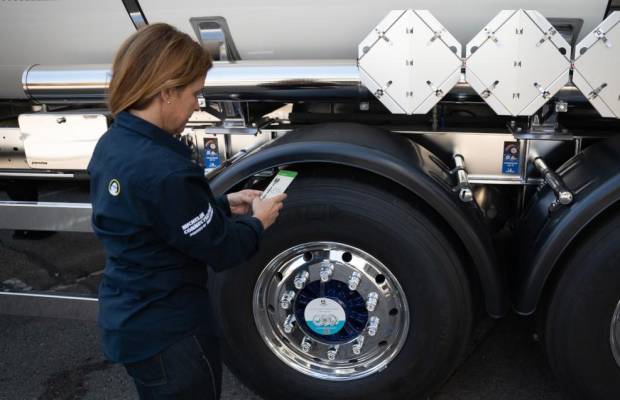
{"x":185,"y":214}
{"x":223,"y":204}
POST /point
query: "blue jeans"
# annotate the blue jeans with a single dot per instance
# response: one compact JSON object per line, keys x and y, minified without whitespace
{"x":189,"y":369}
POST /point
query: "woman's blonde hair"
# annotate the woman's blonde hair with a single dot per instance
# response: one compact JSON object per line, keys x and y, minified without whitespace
{"x":155,"y":58}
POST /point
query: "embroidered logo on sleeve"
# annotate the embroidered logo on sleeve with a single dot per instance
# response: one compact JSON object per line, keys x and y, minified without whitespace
{"x":198,"y":223}
{"x":114,"y":187}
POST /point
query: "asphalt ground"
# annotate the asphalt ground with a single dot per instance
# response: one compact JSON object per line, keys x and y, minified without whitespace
{"x":46,"y":358}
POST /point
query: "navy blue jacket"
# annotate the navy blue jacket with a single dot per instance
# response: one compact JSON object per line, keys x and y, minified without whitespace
{"x":160,"y":226}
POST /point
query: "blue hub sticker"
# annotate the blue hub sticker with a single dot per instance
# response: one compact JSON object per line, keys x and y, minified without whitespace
{"x":353,"y":304}
{"x":512,"y":158}
{"x":324,"y":316}
{"x":212,"y":155}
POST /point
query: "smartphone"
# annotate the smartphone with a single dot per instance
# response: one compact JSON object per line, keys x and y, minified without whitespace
{"x":279,"y":184}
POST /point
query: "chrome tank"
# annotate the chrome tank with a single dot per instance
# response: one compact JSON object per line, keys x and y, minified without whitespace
{"x":82,"y":32}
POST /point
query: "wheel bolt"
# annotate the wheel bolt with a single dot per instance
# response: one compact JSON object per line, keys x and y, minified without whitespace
{"x":371,"y":303}
{"x":289,"y":323}
{"x":373,"y":325}
{"x":332,"y":352}
{"x":306,"y":344}
{"x":286,"y":299}
{"x":327,"y":270}
{"x":301,"y":279}
{"x":357,"y":346}
{"x":354,"y":280}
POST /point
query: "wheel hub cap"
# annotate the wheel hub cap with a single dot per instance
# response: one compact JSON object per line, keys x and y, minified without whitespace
{"x":324,"y":316}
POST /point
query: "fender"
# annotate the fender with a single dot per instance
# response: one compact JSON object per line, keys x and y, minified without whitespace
{"x":594,"y":178}
{"x":392,"y":157}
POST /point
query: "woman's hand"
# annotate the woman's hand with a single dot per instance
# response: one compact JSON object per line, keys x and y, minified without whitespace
{"x":267,"y":210}
{"x":241,"y":202}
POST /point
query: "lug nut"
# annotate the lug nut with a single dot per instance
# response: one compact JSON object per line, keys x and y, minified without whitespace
{"x":301,"y":279}
{"x":373,"y":325}
{"x":371,"y":303}
{"x":357,"y":346}
{"x":354,"y":280}
{"x":327,"y":270}
{"x":286,"y":299}
{"x":332,"y":352}
{"x":306,"y":344}
{"x":289,"y":323}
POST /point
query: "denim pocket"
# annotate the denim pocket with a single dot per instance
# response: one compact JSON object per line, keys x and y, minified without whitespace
{"x":150,"y":372}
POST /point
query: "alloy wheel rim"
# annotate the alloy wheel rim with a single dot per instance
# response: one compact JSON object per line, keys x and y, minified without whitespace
{"x":331,"y":311}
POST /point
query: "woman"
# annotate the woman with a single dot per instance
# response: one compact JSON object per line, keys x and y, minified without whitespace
{"x":160,"y":224}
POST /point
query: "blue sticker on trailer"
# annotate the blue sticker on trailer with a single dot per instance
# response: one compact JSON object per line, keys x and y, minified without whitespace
{"x":212,"y":154}
{"x":511,"y":161}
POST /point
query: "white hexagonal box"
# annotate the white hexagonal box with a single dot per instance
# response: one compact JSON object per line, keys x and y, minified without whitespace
{"x":517,"y":62}
{"x":597,"y":67}
{"x":409,"y":61}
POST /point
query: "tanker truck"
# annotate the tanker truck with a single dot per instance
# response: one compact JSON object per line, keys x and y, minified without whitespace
{"x":454,"y":162}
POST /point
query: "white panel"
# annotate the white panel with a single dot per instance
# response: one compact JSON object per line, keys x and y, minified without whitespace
{"x":413,"y":63}
{"x":596,"y":68}
{"x":385,"y":62}
{"x":50,"y":143}
{"x":57,"y":32}
{"x":518,"y":61}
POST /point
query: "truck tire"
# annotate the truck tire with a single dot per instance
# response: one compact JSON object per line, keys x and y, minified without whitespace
{"x":343,"y":225}
{"x":582,"y":328}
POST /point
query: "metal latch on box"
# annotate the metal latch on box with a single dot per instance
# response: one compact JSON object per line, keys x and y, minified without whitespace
{"x":596,"y":92}
{"x":438,"y":92}
{"x":491,"y":35}
{"x":487,"y":92}
{"x":548,"y":35}
{"x":602,"y":36}
{"x":437,"y":34}
{"x":381,"y":92}
{"x":544,"y":92}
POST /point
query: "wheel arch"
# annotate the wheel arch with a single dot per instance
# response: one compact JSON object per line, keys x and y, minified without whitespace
{"x":548,"y":237}
{"x":395,"y":159}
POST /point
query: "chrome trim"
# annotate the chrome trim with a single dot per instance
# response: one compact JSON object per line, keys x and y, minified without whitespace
{"x":25,"y":79}
{"x":49,"y":305}
{"x":45,"y":216}
{"x":67,"y":84}
{"x":242,"y":80}
{"x":481,"y":180}
{"x":466,"y":195}
{"x":35,"y":175}
{"x":49,"y":296}
{"x":135,"y":13}
{"x":279,"y":80}
{"x":378,"y":350}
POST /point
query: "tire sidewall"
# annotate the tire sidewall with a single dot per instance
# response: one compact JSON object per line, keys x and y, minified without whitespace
{"x":580,"y":313}
{"x":388,"y":228}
